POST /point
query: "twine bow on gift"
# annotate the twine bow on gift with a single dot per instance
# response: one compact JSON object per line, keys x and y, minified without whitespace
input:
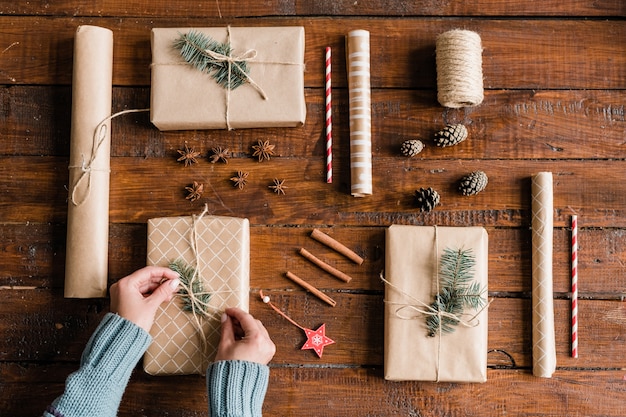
{"x":422,"y":309}
{"x":100,"y":136}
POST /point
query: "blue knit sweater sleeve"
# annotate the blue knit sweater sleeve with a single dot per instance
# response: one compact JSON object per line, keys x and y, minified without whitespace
{"x":236,"y":388}
{"x":107,"y":362}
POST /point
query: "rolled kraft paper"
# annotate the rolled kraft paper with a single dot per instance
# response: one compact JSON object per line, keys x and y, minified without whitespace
{"x":544,"y":348}
{"x":88,"y":206}
{"x":459,"y":69}
{"x":358,"y":60}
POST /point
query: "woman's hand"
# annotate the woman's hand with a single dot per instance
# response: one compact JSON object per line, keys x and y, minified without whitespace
{"x":244,"y":338}
{"x":138,"y":296}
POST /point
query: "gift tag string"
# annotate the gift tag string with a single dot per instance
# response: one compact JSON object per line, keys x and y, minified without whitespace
{"x":267,"y":301}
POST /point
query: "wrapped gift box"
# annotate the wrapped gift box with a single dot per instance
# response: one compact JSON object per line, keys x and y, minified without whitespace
{"x":182,"y":97}
{"x":223,"y":255}
{"x":412,"y":255}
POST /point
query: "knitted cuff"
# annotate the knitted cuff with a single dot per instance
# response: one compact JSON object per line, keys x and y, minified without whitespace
{"x":236,"y":388}
{"x":116,"y":346}
{"x":107,"y":362}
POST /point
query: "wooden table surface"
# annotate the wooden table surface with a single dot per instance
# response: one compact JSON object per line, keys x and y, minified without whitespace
{"x":555,"y":87}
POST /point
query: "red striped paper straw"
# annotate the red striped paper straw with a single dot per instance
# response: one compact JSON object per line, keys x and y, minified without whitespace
{"x":329,"y":120}
{"x":574,"y":286}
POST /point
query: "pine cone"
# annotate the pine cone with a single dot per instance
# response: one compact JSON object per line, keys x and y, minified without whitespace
{"x":473,"y":183}
{"x":411,"y":147}
{"x":426,"y":199}
{"x":451,"y":135}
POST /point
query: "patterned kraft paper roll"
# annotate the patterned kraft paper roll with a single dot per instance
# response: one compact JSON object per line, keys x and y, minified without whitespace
{"x":88,"y":206}
{"x":358,"y":61}
{"x":544,"y":349}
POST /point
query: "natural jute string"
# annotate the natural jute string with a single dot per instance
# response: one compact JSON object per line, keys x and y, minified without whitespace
{"x":459,"y":69}
{"x":198,"y":307}
{"x":86,"y":167}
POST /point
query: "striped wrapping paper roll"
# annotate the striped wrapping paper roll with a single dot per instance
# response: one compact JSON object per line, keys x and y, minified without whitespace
{"x":358,"y":62}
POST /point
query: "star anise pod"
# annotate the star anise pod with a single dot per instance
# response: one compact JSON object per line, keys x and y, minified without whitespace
{"x":279,"y":186}
{"x":219,"y":154}
{"x":188,"y":155}
{"x":263,"y":150}
{"x":240,"y":180}
{"x":195,"y":191}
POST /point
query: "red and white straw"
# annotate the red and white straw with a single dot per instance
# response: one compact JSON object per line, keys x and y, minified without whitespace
{"x":574,"y":286}
{"x":329,"y":120}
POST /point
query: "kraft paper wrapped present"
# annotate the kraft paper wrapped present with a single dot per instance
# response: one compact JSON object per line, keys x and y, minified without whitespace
{"x":223,"y":259}
{"x":412,"y":255}
{"x":183,"y":97}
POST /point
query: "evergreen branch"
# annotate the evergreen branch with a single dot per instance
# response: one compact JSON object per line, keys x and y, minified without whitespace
{"x":193,"y":48}
{"x":457,"y":291}
{"x":198,"y":300}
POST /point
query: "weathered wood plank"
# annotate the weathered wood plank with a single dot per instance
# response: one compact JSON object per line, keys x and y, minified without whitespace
{"x":38,"y":327}
{"x":579,"y":187}
{"x":226,"y":8}
{"x":345,"y":392}
{"x":565,"y":54}
{"x":554,"y":75}
{"x":34,"y":255}
{"x":509,"y":124}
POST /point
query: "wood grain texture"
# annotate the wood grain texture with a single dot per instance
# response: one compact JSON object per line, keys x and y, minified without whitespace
{"x":34,"y":254}
{"x":510,"y":124}
{"x":158,"y":186}
{"x":356,"y":324}
{"x":554,"y":76}
{"x":565,"y":54}
{"x":233,"y":8}
{"x":348,"y":392}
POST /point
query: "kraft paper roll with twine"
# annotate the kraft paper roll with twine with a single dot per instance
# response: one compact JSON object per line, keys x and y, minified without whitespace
{"x":544,"y":348}
{"x":459,"y":69}
{"x":89,"y":167}
{"x":358,"y":62}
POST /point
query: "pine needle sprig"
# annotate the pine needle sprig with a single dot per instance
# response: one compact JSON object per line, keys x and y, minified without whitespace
{"x":190,"y":281}
{"x":193,"y":48}
{"x":457,"y":291}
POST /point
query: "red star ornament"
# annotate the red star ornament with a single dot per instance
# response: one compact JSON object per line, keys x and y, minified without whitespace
{"x":317,"y":339}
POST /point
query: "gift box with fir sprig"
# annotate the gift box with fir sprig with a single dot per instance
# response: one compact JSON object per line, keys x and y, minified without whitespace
{"x":436,"y":303}
{"x":227,"y":77}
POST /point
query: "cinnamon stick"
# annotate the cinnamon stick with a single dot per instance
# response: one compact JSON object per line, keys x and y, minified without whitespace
{"x":331,"y":270}
{"x":333,"y":244}
{"x":311,"y":289}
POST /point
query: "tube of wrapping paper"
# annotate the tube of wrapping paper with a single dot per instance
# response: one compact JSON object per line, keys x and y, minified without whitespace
{"x":88,"y":206}
{"x":544,"y":349}
{"x":358,"y":60}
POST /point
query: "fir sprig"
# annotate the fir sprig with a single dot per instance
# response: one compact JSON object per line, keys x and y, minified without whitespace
{"x":457,"y":291}
{"x":200,"y":299}
{"x":193,"y":48}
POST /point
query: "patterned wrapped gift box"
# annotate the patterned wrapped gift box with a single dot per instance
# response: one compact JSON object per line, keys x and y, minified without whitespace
{"x":223,"y":258}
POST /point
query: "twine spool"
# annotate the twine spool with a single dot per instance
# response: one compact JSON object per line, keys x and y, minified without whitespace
{"x":459,"y":69}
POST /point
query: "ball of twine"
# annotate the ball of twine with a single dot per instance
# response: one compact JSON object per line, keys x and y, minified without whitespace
{"x":459,"y":69}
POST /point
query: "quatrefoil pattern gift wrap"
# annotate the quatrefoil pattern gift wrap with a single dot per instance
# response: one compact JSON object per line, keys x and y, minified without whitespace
{"x":183,"y":97}
{"x":222,"y":252}
{"x":412,"y":256}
